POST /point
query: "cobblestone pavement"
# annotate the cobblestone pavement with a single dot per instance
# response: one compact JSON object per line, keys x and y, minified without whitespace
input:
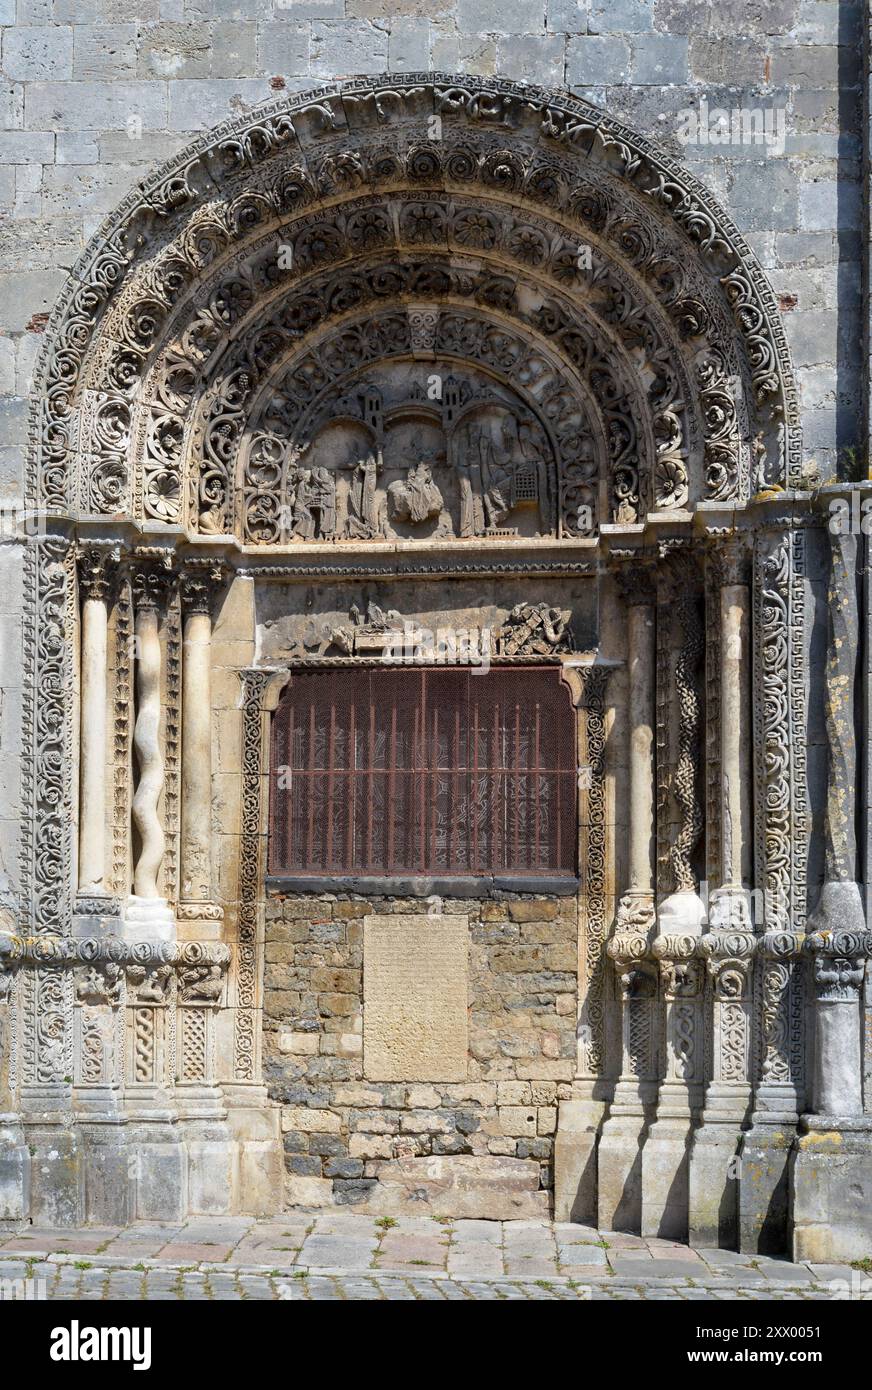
{"x":337,"y":1255}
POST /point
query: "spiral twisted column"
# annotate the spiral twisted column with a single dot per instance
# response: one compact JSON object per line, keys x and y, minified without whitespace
{"x":147,"y":911}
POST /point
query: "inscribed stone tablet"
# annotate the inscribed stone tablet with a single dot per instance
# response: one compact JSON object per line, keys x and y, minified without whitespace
{"x":415,"y":987}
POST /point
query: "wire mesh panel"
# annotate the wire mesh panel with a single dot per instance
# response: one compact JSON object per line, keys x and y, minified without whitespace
{"x":424,"y":771}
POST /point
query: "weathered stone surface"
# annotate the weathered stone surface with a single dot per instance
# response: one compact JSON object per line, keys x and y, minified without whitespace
{"x":494,"y":1188}
{"x":415,"y":994}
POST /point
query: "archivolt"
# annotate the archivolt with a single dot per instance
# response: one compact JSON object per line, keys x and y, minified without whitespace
{"x":529,"y":212}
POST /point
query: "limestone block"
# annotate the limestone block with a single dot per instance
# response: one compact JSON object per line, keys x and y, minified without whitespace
{"x":308,"y":1192}
{"x":494,"y":1188}
{"x":299,"y":1043}
{"x":415,"y":993}
{"x":310,"y":1121}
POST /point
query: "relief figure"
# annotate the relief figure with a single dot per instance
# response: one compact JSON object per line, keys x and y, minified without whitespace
{"x":417,"y":498}
{"x":364,"y":504}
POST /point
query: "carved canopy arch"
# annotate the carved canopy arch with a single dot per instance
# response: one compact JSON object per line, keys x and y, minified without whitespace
{"x":612,"y":340}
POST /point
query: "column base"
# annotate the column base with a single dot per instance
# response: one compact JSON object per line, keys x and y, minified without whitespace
{"x":831,"y":1189}
{"x":199,"y":921}
{"x":764,"y":1205}
{"x":619,"y":1195}
{"x":579,"y":1123}
{"x":665,"y":1163}
{"x":713,"y":1185}
{"x":160,"y":1166}
{"x":212,"y":1152}
{"x":681,"y":913}
{"x":14,"y":1170}
{"x":57,"y":1172}
{"x":109,"y":1188}
{"x":254,"y":1122}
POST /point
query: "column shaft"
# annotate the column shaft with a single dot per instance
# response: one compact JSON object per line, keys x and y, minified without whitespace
{"x":642,"y":741}
{"x":736,"y":735}
{"x":146,"y":742}
{"x":196,"y":758}
{"x":92,"y":791}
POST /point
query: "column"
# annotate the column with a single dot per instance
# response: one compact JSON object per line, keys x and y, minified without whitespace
{"x":680,"y":915}
{"x":636,"y":908}
{"x":832,"y":1169}
{"x":729,"y":944}
{"x":581,"y":1115}
{"x":665,"y":1158}
{"x":96,"y":566}
{"x":838,"y":924}
{"x":147,"y":912}
{"x":619,"y":1193}
{"x":197,"y":585}
{"x":729,"y":901}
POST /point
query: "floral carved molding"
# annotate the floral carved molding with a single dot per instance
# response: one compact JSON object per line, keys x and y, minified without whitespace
{"x":442,"y":218}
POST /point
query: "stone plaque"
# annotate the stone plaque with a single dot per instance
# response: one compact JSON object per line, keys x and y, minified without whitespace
{"x":415,"y":988}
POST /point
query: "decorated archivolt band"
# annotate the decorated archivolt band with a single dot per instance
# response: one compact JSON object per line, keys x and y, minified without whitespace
{"x":61,"y":950}
{"x":135,"y":411}
{"x":628,"y":947}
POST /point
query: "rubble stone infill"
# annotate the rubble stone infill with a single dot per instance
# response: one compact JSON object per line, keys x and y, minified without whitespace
{"x":337,"y":1255}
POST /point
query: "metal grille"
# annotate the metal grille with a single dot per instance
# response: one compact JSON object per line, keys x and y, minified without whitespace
{"x":424,"y":771}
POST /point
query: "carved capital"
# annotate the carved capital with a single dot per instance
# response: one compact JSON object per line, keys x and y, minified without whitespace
{"x":682,"y":979}
{"x":728,"y":958}
{"x":149,"y":984}
{"x":730,"y":910}
{"x":732,"y":560}
{"x":636,"y":580}
{"x":202,"y":983}
{"x":636,"y":913}
{"x":198,"y":582}
{"x":839,"y":978}
{"x":99,"y":982}
{"x":98,"y":566}
{"x":151,"y":578}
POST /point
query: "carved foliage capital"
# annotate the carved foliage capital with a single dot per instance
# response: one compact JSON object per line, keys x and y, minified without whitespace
{"x":636,"y":581}
{"x":731,"y":559}
{"x":97,"y":565}
{"x":151,"y":578}
{"x":198,"y":582}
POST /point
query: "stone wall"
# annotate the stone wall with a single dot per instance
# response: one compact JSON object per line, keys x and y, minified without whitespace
{"x":344,"y":1135}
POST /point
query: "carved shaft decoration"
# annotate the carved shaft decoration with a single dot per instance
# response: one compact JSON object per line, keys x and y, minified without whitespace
{"x":686,"y":765}
{"x":95,"y":570}
{"x":147,"y":590}
{"x":681,"y":978}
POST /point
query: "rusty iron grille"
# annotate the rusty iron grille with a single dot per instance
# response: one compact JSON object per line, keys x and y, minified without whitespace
{"x":424,"y":771}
